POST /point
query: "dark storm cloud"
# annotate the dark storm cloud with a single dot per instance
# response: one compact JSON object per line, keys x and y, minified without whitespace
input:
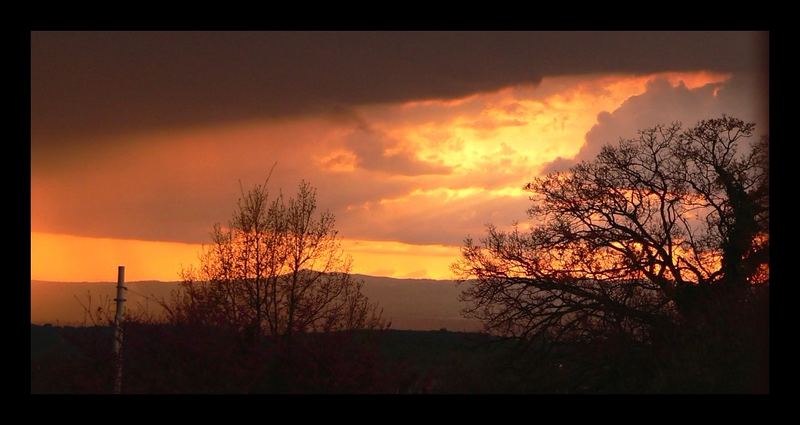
{"x":101,"y":84}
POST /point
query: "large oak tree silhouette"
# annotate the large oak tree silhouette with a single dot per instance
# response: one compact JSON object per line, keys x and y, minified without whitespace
{"x":653,"y":233}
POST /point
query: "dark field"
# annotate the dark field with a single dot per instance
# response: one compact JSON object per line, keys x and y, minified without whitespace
{"x":164,"y":359}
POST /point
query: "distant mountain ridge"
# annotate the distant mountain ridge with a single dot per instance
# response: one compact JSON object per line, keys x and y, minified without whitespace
{"x":414,"y":304}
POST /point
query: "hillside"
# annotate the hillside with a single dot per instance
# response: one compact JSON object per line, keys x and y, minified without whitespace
{"x":415,"y":304}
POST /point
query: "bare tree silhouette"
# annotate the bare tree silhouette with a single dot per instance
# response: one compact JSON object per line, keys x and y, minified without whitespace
{"x":645,"y":236}
{"x":277,"y":269}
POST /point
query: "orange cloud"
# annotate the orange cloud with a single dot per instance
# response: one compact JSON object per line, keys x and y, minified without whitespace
{"x":534,"y":125}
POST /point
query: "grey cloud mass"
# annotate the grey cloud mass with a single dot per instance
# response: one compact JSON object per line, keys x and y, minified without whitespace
{"x":742,"y":97}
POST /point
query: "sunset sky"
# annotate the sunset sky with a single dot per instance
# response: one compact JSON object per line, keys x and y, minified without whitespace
{"x":139,"y":141}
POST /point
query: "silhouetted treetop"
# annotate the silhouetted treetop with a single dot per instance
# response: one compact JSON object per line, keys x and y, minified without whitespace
{"x":639,"y":237}
{"x":276,"y":269}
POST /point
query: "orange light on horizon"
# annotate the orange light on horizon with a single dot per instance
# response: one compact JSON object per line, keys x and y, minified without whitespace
{"x":56,"y":257}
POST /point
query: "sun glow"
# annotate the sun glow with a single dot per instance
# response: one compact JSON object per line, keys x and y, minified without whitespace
{"x":532,"y":124}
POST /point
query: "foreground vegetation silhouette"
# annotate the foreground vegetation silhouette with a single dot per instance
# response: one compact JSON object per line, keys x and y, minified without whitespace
{"x":654,"y":257}
{"x":644,"y":270}
{"x":276,"y":270}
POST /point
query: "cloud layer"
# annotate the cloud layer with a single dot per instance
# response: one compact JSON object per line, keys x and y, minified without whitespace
{"x":90,"y":84}
{"x":423,"y":172}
